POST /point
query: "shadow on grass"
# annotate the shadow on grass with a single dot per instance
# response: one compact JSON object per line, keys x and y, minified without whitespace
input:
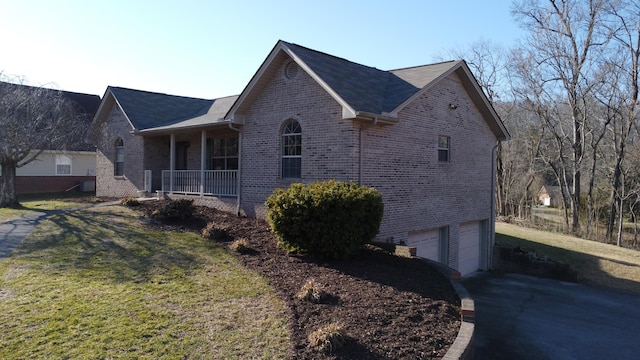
{"x":106,"y":245}
{"x":588,"y":266}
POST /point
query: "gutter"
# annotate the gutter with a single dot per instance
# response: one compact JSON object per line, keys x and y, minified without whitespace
{"x":238,"y":187}
{"x":383,"y":118}
{"x":163,"y":130}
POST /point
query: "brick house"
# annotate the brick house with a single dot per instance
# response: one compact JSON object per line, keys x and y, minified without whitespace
{"x":423,"y":136}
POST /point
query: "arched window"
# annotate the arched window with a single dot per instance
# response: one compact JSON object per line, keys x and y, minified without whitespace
{"x":291,"y":150}
{"x":118,"y":169}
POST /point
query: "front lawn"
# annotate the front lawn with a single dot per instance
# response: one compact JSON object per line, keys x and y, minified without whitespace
{"x":96,"y":284}
{"x":47,"y":201}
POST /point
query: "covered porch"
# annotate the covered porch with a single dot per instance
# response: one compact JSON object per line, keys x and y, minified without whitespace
{"x":200,"y":164}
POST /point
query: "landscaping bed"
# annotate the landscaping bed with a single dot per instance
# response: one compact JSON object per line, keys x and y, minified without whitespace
{"x":390,"y":307}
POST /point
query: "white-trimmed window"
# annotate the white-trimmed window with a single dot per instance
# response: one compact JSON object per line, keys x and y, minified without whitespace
{"x":291,"y":150}
{"x":63,"y":165}
{"x":118,"y":168}
{"x":444,"y":148}
{"x":224,"y":153}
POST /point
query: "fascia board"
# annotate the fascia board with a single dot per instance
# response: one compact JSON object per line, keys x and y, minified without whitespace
{"x":231,"y":114}
{"x":108,"y":100}
{"x":426,"y":88}
{"x":347,"y":111}
{"x":469,"y":80}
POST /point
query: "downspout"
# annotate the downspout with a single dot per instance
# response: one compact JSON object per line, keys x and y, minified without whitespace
{"x":239,"y":167}
{"x":492,"y":219}
{"x":361,"y":147}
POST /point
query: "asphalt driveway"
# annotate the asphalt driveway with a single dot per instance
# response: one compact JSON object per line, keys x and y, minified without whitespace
{"x":523,"y":317}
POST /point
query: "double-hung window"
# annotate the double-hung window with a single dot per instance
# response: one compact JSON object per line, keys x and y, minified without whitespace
{"x":291,"y":150}
{"x":224,"y":154}
{"x":63,"y":165}
{"x":444,"y":148}
{"x":118,"y":169}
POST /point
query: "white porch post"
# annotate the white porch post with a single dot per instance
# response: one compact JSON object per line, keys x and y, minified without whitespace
{"x":172,"y":161}
{"x":203,"y":159}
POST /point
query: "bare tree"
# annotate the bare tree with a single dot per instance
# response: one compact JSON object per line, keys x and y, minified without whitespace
{"x":625,"y":25}
{"x":565,"y":37}
{"x":32,"y":119}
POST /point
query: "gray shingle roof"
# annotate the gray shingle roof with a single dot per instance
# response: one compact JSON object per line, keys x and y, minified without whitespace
{"x":366,"y":88}
{"x":215,"y":114}
{"x":148,"y":110}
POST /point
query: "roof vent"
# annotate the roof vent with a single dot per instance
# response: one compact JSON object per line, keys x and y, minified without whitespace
{"x":291,"y":70}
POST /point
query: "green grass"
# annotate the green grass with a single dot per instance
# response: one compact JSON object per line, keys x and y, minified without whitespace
{"x":43,"y":202}
{"x":598,"y":264}
{"x":95,"y":284}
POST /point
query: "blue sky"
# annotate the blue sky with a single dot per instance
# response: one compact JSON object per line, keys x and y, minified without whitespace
{"x":212,"y":48}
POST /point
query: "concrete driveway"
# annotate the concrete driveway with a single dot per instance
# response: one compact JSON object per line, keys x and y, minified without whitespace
{"x":523,"y":317}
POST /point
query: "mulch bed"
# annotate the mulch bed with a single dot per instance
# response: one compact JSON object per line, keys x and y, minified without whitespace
{"x":391,"y":307}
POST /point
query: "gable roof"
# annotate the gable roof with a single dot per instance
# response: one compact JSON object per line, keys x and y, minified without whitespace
{"x":363,"y":91}
{"x":214,"y":115}
{"x":145,"y":110}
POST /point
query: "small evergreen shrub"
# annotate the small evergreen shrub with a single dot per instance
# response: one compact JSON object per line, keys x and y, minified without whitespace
{"x":312,"y":291}
{"x":328,"y":338}
{"x":178,"y":209}
{"x":329,"y":219}
{"x":216,"y":232}
{"x":129,"y":201}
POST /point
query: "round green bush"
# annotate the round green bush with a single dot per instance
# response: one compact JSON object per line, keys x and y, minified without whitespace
{"x":329,"y":219}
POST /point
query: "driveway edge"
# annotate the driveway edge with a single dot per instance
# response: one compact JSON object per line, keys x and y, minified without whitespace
{"x":462,"y":347}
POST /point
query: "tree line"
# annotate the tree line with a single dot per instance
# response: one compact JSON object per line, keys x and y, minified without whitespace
{"x":568,"y":93}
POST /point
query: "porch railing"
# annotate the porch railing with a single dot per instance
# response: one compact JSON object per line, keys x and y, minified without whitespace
{"x":215,"y":182}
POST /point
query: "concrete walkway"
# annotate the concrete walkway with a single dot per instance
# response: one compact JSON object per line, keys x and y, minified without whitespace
{"x":14,"y":231}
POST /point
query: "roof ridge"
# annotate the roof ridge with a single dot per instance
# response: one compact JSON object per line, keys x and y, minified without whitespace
{"x":335,"y":57}
{"x":424,"y":65}
{"x":161,"y":93}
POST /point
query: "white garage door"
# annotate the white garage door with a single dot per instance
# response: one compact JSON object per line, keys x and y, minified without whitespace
{"x":469,"y":250}
{"x":426,"y":243}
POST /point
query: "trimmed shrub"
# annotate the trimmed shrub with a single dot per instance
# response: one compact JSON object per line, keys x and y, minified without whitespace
{"x":329,"y":219}
{"x":312,"y":291}
{"x":328,"y":338}
{"x":129,"y":201}
{"x":178,"y":209}
{"x":216,"y":232}
{"x":240,"y":246}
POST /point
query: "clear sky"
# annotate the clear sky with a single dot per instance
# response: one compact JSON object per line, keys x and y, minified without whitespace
{"x":212,"y":48}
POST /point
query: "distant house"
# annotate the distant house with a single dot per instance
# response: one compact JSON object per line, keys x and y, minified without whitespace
{"x":550,"y":196}
{"x":423,"y":136}
{"x":56,"y":170}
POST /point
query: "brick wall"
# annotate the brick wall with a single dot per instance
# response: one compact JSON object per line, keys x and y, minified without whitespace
{"x":156,"y":150}
{"x":419,"y":191}
{"x":328,"y":148}
{"x":116,"y":125}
